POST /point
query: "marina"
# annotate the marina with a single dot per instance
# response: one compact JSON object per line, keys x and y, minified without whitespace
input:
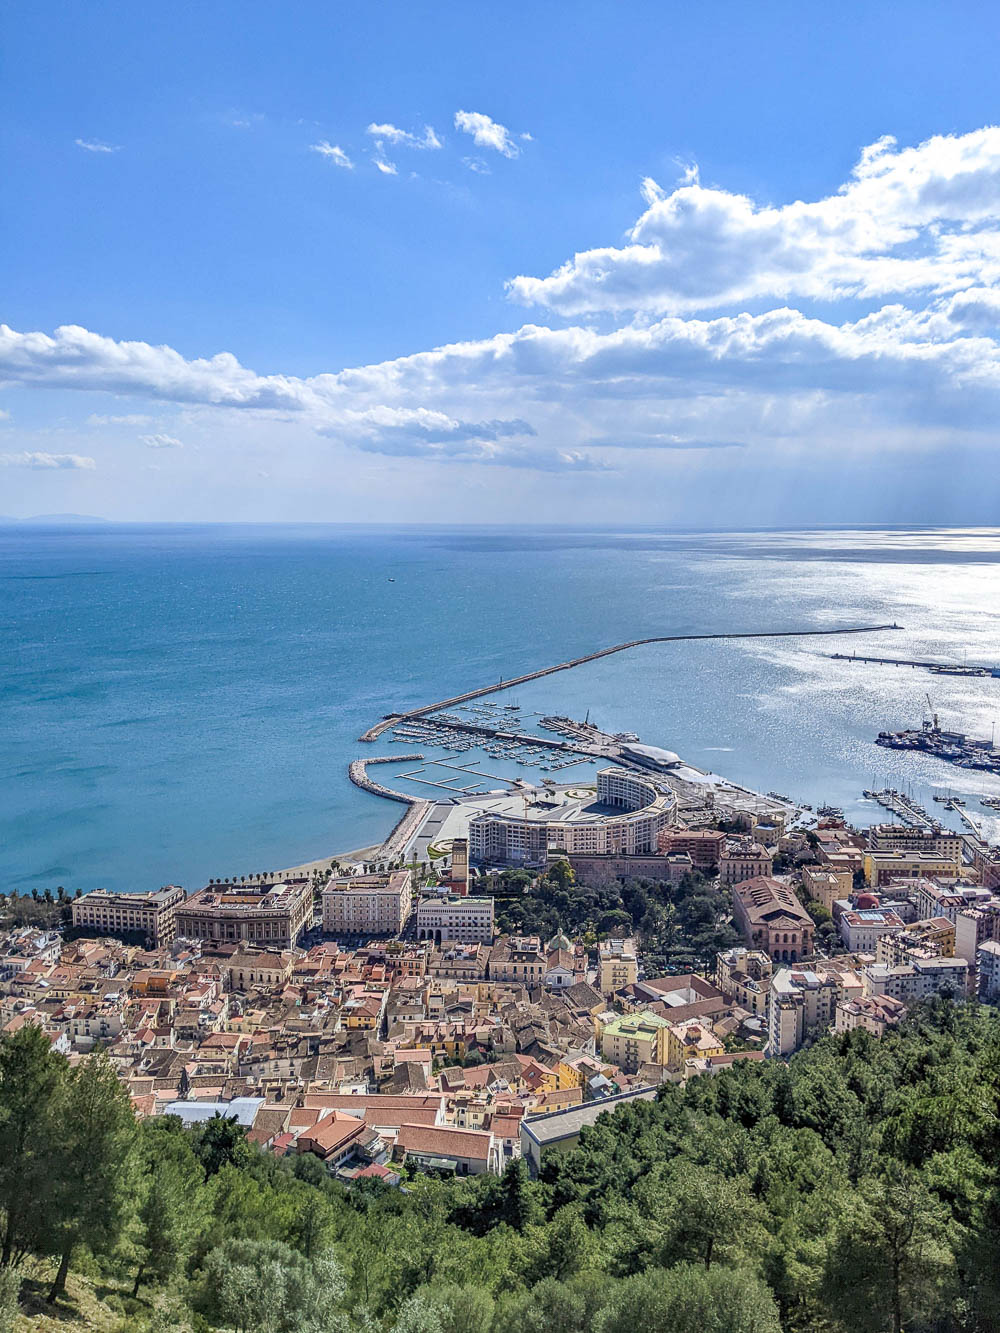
{"x":907,"y":811}
{"x":377,"y":728}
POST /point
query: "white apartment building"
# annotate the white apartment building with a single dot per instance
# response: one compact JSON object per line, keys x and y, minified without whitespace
{"x":874,"y":1013}
{"x":988,"y":969}
{"x":974,"y":926}
{"x":368,"y":904}
{"x":918,"y":979}
{"x":802,"y":1000}
{"x":932,"y":899}
{"x":744,"y":975}
{"x":861,"y":930}
{"x":454,"y":917}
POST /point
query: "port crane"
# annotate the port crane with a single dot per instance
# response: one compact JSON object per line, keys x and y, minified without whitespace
{"x":934,"y":716}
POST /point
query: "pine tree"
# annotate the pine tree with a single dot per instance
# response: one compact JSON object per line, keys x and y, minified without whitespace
{"x":93,"y":1160}
{"x":31,"y":1077}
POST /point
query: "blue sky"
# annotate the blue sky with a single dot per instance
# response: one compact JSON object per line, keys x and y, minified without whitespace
{"x":198,"y":188}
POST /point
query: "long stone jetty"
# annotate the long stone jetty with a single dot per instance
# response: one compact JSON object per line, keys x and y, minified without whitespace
{"x":373,"y":732}
{"x":358,"y":773}
{"x":416,"y":812}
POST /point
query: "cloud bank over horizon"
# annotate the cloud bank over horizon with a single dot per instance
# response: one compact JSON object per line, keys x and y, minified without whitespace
{"x":723,"y":328}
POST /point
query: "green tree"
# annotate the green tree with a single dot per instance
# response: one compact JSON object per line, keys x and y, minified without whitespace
{"x":561,"y":873}
{"x":458,"y":1308}
{"x":314,"y":1223}
{"x":267,"y":1287}
{"x":890,"y":1265}
{"x":31,"y":1080}
{"x":222,"y":1142}
{"x":171,"y":1206}
{"x":712,"y":1215}
{"x":550,"y":1306}
{"x":93,"y":1153}
{"x":517,"y":1204}
{"x":690,"y":1299}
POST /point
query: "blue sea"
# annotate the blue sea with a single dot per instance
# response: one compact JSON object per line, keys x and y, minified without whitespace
{"x":181,"y":702}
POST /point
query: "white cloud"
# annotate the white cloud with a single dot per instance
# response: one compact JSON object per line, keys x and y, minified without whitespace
{"x":909,"y":220}
{"x":486,"y":133}
{"x":477,"y":165}
{"x":161,"y":442}
{"x":96,"y":146}
{"x":244,"y":120}
{"x":663,"y":387}
{"x":334,"y":153}
{"x":47,"y":462}
{"x":130,"y":419}
{"x":387,"y":168}
{"x":403,"y":138}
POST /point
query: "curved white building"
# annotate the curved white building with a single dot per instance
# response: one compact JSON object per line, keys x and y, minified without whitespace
{"x":625,"y":819}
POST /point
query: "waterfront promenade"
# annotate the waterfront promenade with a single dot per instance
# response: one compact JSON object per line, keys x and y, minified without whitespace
{"x":373,"y":732}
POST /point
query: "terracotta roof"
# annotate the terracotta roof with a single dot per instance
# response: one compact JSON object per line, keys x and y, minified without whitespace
{"x":441,"y":1142}
{"x":333,"y":1132}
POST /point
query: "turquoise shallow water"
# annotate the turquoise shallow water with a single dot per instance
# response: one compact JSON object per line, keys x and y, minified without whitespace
{"x":180,"y":702}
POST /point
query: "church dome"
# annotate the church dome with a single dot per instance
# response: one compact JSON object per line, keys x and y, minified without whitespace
{"x":558,"y":941}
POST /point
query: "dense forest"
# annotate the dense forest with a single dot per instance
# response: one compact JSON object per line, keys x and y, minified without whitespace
{"x":854,"y":1189}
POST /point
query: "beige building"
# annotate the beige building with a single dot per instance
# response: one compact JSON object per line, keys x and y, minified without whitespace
{"x":273,"y":915}
{"x":744,"y":860}
{"x":368,"y":904}
{"x":875,"y":1013}
{"x":917,"y":980}
{"x":518,"y":958}
{"x":933,"y":938}
{"x":618,"y":965}
{"x":824,"y":885}
{"x":770,"y":917}
{"x":936,"y":841}
{"x":691,"y":1040}
{"x":629,"y":813}
{"x":151,"y":915}
{"x":744,"y":976}
{"x":259,"y":967}
{"x":466,"y":920}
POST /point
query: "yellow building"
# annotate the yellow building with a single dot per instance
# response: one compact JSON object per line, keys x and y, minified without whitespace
{"x":631,"y":1040}
{"x":692,"y":1039}
{"x":825,"y":885}
{"x":577,"y":1071}
{"x":883,"y":867}
{"x":619,"y":966}
{"x":930,"y":938}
